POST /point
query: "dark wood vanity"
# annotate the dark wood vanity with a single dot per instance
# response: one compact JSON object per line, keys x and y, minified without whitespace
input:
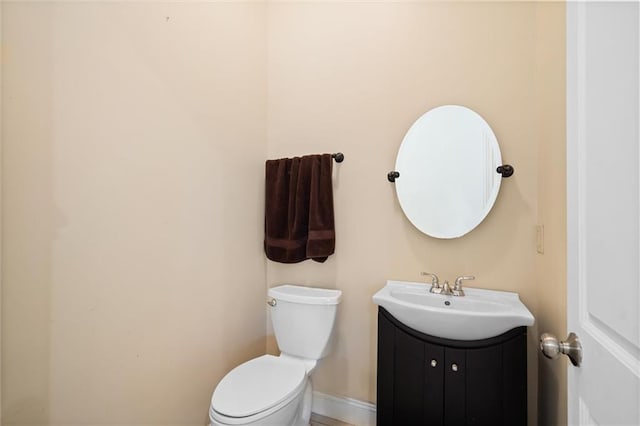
{"x":427,"y":380}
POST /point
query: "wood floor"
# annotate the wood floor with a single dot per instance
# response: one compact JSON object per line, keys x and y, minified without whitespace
{"x":318,"y":420}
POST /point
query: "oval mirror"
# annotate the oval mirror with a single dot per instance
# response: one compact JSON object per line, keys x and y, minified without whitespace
{"x":447,"y":163}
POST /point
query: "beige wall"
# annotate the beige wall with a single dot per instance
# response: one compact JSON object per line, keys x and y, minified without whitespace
{"x":352,"y":77}
{"x":133,"y":273}
{"x":551,"y":271}
{"x":134,"y":141}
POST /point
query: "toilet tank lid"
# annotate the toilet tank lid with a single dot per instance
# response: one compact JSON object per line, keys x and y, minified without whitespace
{"x":307,"y":295}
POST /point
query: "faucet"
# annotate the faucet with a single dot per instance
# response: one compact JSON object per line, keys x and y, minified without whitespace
{"x":445,"y":288}
{"x":457,"y":288}
{"x":435,"y":283}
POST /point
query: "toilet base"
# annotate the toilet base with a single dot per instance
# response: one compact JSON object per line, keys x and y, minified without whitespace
{"x":305,"y":412}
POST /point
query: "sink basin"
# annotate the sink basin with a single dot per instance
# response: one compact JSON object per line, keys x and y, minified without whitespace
{"x":479,"y":314}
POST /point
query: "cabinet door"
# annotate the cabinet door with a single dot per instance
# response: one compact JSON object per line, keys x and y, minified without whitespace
{"x":433,"y":413}
{"x":455,"y":387}
{"x":484,"y":380}
{"x":408,"y":384}
{"x":514,"y":355}
{"x":386,"y":332}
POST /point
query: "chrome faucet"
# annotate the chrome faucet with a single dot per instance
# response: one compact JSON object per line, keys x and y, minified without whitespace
{"x":435,"y":283}
{"x":457,"y":288}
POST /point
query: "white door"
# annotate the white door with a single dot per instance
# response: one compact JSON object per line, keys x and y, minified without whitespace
{"x":603,"y":193}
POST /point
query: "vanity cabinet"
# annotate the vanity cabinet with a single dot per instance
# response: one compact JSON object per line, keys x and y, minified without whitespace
{"x":427,"y":380}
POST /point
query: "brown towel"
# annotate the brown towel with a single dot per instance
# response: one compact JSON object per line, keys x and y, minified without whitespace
{"x":299,"y":222}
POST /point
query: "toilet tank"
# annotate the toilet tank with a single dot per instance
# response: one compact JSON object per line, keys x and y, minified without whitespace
{"x":303,"y":319}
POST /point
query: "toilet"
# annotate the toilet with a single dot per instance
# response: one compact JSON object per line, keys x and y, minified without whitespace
{"x":276,"y":390}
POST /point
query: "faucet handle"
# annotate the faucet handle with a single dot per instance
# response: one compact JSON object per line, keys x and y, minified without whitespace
{"x":458,"y":285}
{"x":434,"y":278}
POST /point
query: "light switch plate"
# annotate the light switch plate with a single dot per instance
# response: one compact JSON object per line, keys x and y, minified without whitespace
{"x":540,"y":239}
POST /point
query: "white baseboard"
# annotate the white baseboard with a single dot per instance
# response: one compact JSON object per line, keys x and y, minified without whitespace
{"x":348,"y":410}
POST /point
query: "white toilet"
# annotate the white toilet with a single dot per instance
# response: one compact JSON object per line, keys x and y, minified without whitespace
{"x":271,"y":390}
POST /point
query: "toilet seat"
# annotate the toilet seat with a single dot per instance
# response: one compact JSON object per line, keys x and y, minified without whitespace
{"x":257,"y":388}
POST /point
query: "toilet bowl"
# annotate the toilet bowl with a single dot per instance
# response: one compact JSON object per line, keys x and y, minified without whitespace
{"x":276,"y":390}
{"x":265,"y":390}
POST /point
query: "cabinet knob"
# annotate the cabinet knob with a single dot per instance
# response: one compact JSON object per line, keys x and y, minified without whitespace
{"x":434,"y":363}
{"x":454,"y":367}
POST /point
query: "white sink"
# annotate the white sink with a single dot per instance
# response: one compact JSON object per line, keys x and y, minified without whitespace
{"x":479,"y":314}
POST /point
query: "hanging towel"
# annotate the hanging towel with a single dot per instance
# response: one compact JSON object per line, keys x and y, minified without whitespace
{"x":299,"y":222}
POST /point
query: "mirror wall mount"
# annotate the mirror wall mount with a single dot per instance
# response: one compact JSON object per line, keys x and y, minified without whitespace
{"x":506,"y":170}
{"x":451,"y":170}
